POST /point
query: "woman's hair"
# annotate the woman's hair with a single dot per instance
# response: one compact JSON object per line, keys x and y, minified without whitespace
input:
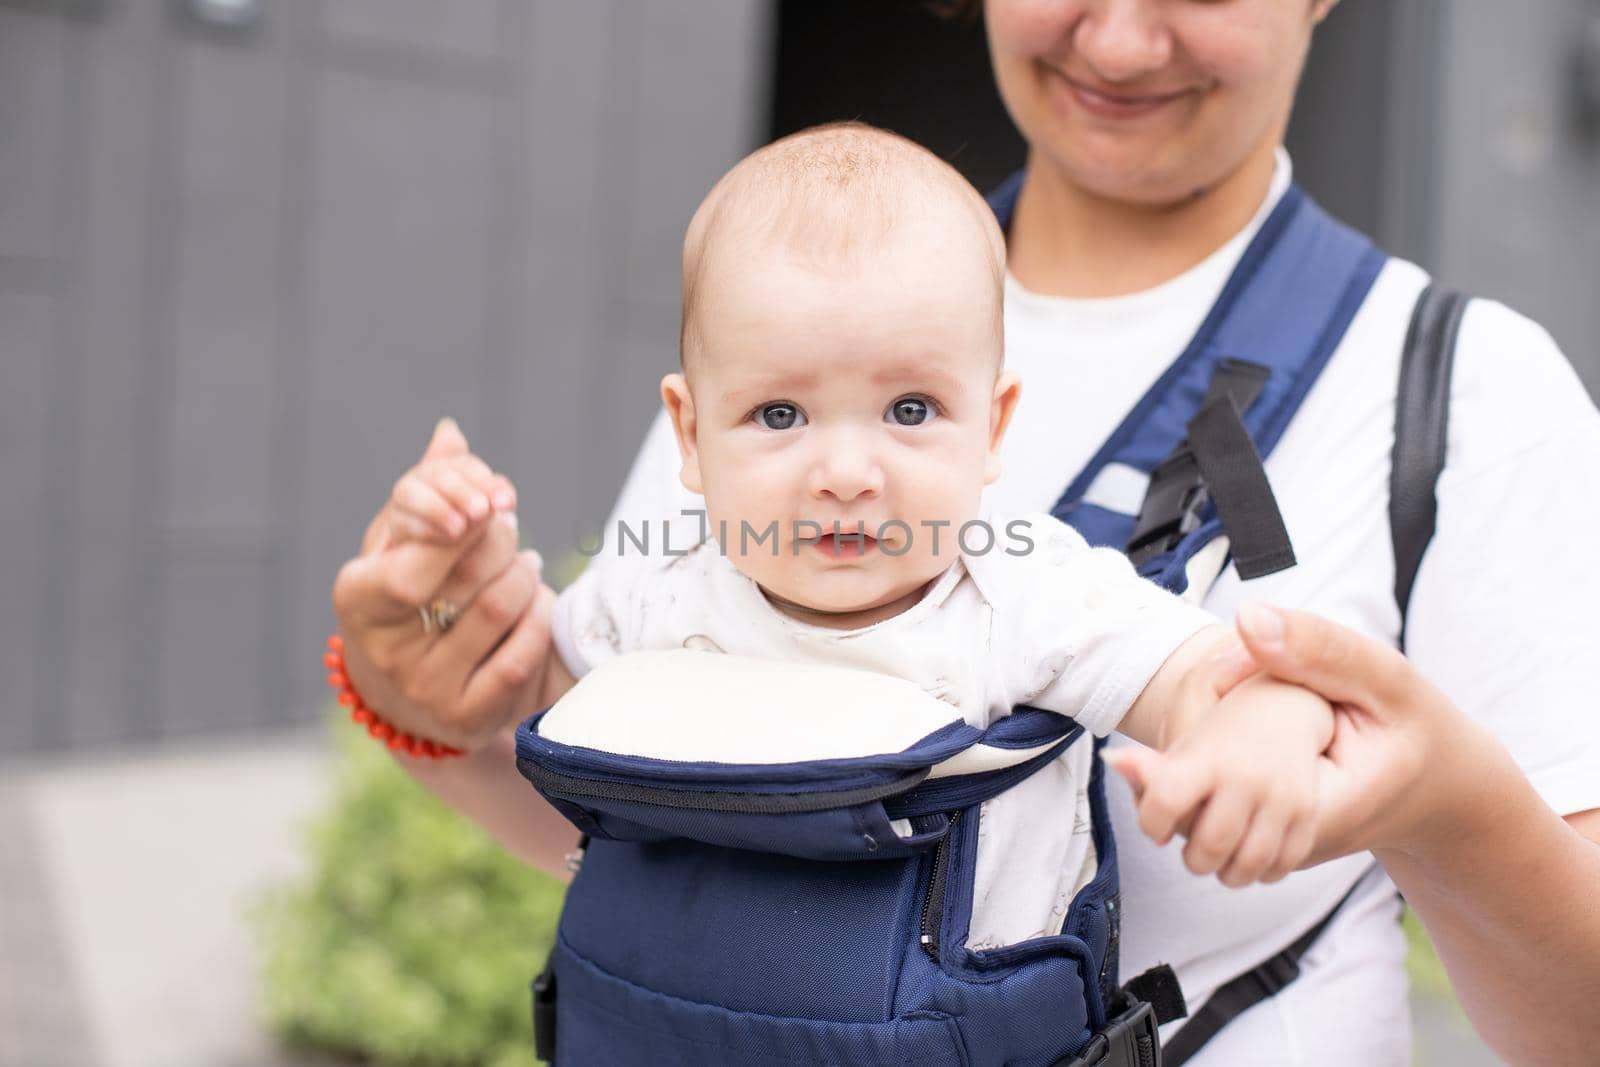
{"x":955,"y":10}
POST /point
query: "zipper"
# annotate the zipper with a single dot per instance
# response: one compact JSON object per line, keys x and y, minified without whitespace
{"x":933,"y":903}
{"x":568,"y":787}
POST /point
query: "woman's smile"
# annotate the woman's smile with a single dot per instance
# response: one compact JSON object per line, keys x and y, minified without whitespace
{"x":1068,"y":93}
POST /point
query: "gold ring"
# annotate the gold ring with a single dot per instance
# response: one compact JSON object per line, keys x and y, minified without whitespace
{"x":438,"y":614}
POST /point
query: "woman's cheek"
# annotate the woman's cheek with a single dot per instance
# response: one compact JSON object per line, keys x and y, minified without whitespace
{"x":1027,"y":29}
{"x":1249,"y":48}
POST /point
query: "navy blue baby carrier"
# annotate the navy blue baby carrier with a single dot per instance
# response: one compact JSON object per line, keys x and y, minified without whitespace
{"x":727,"y":914}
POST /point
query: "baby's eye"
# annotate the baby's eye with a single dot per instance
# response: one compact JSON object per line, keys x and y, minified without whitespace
{"x":779,"y":416}
{"x":911,"y":411}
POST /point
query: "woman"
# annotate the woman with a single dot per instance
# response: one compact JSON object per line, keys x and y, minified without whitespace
{"x":1154,"y":130}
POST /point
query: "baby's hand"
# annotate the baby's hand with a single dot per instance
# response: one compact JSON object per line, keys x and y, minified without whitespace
{"x":440,"y":499}
{"x":1241,"y":783}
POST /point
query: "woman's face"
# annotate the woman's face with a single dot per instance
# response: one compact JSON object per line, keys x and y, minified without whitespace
{"x":1149,"y":101}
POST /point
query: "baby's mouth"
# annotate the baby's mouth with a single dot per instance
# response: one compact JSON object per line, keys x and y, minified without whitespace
{"x":846,"y":545}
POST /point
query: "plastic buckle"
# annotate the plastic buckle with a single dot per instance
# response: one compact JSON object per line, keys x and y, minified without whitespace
{"x":1173,"y":505}
{"x":1129,"y":1040}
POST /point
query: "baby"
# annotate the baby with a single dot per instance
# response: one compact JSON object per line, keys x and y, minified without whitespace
{"x":840,"y":406}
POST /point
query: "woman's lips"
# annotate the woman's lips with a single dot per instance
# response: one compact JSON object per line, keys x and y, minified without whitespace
{"x":1105,"y":105}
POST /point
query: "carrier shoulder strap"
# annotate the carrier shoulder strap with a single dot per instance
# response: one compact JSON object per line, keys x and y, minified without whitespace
{"x":1192,"y":447}
{"x":1421,"y":423}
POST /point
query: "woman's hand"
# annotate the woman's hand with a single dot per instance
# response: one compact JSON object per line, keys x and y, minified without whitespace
{"x":488,"y":668}
{"x":1504,"y":886}
{"x":1404,"y":767}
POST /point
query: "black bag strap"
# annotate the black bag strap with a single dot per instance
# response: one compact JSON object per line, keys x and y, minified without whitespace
{"x":1245,"y":991}
{"x":1421,"y":423}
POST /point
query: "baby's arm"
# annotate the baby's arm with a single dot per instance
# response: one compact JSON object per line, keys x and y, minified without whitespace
{"x":1236,"y":774}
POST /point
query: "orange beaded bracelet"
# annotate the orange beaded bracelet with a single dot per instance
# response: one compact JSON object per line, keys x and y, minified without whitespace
{"x":376,"y":725}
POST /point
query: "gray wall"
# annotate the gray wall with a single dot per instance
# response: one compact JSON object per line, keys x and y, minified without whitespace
{"x":242,"y":271}
{"x":1518,"y":215}
{"x":1457,"y":133}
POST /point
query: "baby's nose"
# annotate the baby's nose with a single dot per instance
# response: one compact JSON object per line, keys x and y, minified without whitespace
{"x":846,"y":471}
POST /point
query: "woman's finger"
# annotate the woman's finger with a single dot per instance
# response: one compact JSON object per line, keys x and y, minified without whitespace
{"x":1225,"y":668}
{"x":492,"y":614}
{"x":1335,"y":661}
{"x":387,"y":587}
{"x":494,"y":552}
{"x":501,"y":679}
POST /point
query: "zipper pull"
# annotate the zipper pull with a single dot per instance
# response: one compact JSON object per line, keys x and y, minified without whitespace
{"x":574,"y":859}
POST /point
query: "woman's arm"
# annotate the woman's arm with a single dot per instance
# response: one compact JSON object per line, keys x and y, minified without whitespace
{"x":470,"y":685}
{"x":495,"y":665}
{"x":1508,"y":890}
{"x":486,"y":787}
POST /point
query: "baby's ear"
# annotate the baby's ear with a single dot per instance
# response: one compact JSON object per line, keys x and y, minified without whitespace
{"x":1007,"y":391}
{"x":679,"y":402}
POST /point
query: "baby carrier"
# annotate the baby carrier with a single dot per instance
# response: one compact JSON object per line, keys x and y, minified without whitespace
{"x":769,"y":907}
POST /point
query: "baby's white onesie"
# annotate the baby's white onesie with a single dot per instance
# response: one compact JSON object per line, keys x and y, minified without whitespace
{"x":1060,"y":626}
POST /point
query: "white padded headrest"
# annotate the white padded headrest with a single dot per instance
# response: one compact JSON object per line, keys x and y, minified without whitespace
{"x":692,"y":705}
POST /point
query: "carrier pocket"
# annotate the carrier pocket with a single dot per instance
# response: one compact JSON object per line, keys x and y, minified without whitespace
{"x":603,"y":1019}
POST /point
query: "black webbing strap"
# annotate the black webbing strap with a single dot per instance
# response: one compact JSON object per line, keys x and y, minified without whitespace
{"x":543,"y":986}
{"x":1159,"y":988}
{"x":1244,"y":992}
{"x":1421,"y":420}
{"x":1219,"y":465}
{"x":544,"y":1011}
{"x":1238,"y":485}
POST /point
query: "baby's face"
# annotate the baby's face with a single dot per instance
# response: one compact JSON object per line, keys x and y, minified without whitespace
{"x":859,"y":395}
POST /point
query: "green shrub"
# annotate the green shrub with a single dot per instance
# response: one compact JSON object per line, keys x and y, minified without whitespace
{"x":412,"y":937}
{"x":1428,"y":975}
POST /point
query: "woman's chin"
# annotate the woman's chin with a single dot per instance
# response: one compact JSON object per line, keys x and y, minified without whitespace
{"x":1132,"y":175}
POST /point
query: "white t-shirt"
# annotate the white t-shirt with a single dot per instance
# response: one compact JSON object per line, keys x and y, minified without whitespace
{"x":1031,"y":616}
{"x":1502,"y":617}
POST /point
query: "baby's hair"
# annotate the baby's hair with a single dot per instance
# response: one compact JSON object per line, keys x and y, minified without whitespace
{"x":831,"y":193}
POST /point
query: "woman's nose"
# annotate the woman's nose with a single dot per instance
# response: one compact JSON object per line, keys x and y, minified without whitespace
{"x":1123,"y":40}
